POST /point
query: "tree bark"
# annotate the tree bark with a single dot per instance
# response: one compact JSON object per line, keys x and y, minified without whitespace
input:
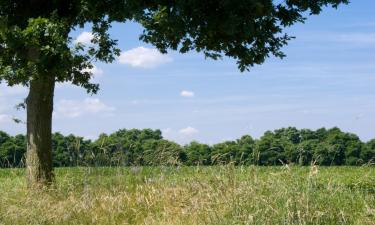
{"x":39,"y":105}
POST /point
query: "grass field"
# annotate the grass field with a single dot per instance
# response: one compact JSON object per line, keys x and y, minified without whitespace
{"x":193,"y":195}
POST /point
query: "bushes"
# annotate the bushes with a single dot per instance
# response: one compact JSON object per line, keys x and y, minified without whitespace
{"x":147,"y":147}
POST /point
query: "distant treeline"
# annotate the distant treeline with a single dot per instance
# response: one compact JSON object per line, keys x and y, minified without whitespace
{"x":147,"y":147}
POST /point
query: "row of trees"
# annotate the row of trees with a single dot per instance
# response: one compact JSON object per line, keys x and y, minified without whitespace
{"x":147,"y":147}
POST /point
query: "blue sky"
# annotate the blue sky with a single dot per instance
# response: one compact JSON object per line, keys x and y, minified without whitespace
{"x":326,"y":80}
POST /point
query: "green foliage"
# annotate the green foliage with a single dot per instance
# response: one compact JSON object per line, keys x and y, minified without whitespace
{"x":12,"y":150}
{"x":162,"y":152}
{"x":124,"y":147}
{"x":224,"y":153}
{"x":35,"y":42}
{"x":69,"y":150}
{"x":147,"y":147}
{"x":246,"y":148}
{"x":368,"y":152}
{"x":198,"y":154}
{"x":247,"y":30}
{"x":3,"y":137}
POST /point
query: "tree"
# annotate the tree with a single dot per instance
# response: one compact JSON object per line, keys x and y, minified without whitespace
{"x":246,"y":149}
{"x":224,"y":153}
{"x":198,"y":154}
{"x":305,"y":151}
{"x":124,"y":147}
{"x":36,"y":50}
{"x":163,"y":153}
{"x":368,"y":153}
{"x":12,"y":150}
{"x":69,"y":150}
{"x":271,"y":149}
{"x":4,"y":137}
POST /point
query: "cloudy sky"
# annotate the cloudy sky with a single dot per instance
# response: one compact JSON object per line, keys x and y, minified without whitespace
{"x":327,"y":79}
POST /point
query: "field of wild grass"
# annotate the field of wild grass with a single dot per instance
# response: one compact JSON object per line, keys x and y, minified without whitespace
{"x":193,"y":195}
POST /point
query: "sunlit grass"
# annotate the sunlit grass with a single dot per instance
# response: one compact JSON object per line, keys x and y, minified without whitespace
{"x":193,"y":195}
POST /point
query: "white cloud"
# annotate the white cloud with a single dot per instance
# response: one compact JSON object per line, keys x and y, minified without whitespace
{"x":188,"y":131}
{"x":359,"y":116}
{"x":187,"y":94}
{"x":76,"y":108}
{"x":5,"y":118}
{"x":143,"y":57}
{"x":6,"y":91}
{"x":359,"y":25}
{"x":353,"y":38}
{"x":166,"y":131}
{"x":357,"y":38}
{"x":305,"y":111}
{"x":95,"y":71}
{"x":84,"y":38}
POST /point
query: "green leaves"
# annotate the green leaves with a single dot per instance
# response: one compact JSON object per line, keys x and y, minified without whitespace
{"x":104,"y":47}
{"x":34,"y":36}
{"x":147,"y":147}
{"x":246,"y":30}
{"x":12,"y":150}
{"x":41,"y":46}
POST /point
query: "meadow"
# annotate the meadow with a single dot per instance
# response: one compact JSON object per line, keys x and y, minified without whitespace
{"x":193,"y":195}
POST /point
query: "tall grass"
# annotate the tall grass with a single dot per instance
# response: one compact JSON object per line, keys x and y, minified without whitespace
{"x":193,"y":195}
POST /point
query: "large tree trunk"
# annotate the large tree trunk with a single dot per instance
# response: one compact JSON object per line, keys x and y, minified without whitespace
{"x":39,"y":105}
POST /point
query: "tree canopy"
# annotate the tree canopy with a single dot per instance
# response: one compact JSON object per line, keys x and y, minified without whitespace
{"x":34,"y":35}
